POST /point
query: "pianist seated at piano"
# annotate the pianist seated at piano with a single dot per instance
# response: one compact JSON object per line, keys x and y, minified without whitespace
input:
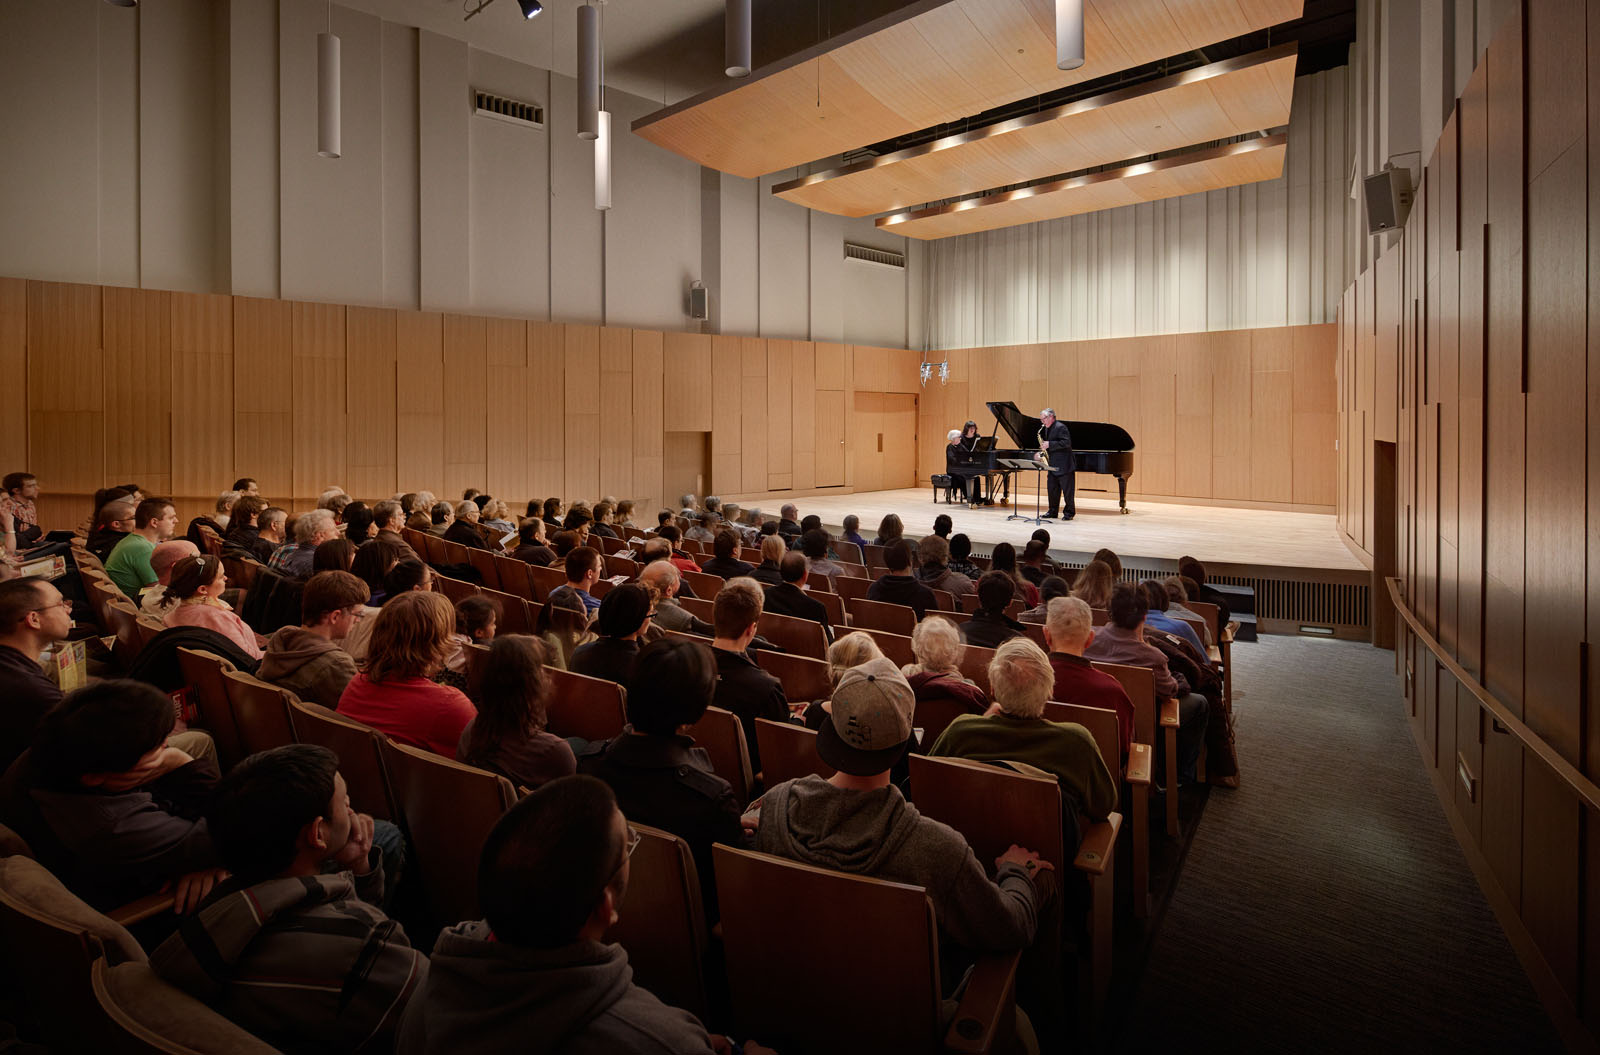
{"x":958,"y":463}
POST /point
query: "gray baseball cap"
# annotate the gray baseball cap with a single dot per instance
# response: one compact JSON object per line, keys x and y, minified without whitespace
{"x":870,"y":724}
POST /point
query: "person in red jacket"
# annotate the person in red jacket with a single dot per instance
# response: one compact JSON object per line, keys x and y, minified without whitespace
{"x":410,"y":640}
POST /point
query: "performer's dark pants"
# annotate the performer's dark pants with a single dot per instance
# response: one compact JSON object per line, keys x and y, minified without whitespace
{"x":1054,"y":483}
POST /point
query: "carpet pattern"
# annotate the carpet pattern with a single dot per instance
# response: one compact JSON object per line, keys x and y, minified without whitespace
{"x":1325,"y":905}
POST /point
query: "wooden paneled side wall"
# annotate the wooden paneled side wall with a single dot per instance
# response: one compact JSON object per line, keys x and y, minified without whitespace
{"x":183,"y":393}
{"x":1473,"y":344}
{"x":1233,"y":415}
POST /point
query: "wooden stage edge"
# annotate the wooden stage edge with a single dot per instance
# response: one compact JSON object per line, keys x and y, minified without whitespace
{"x":1279,"y":543}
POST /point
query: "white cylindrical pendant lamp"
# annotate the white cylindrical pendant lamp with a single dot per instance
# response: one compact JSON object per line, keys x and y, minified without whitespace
{"x":736,"y":39}
{"x":602,"y":163}
{"x":1069,"y":34}
{"x":588,"y":72}
{"x":327,"y":95}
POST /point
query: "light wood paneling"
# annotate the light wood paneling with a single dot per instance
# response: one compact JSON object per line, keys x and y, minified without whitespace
{"x":263,"y":395}
{"x":466,"y":361}
{"x":780,"y":415}
{"x":66,"y":430}
{"x":547,"y":434}
{"x":317,"y":343}
{"x":830,"y":433}
{"x":804,"y":409}
{"x":1213,"y":168}
{"x":370,"y":395}
{"x":14,"y":362}
{"x":613,"y":433}
{"x":581,"y":411}
{"x":136,"y":342}
{"x":202,"y":376}
{"x":752,"y":405}
{"x":932,"y":64}
{"x":419,"y":410}
{"x":727,"y":421}
{"x":507,"y":458}
{"x":647,"y":417}
{"x":689,"y":389}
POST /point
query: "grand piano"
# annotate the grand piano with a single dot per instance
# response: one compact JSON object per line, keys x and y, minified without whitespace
{"x":1097,"y":447}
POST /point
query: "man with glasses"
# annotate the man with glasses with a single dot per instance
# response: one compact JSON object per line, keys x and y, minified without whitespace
{"x":33,"y":616}
{"x":307,"y":659}
{"x":551,"y":883}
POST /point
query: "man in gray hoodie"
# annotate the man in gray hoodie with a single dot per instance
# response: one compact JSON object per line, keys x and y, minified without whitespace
{"x":535,"y":974}
{"x":307,"y":659}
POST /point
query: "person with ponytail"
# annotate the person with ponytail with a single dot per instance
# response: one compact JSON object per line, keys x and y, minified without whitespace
{"x":193,"y":597}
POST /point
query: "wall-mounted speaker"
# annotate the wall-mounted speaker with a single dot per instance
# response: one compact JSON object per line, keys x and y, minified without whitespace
{"x":1388,"y":197}
{"x":699,"y":302}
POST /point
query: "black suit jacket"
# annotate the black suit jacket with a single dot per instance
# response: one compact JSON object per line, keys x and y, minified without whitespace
{"x":788,"y":599}
{"x":1059,"y":437}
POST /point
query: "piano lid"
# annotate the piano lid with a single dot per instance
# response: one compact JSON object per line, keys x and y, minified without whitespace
{"x":1086,"y":435}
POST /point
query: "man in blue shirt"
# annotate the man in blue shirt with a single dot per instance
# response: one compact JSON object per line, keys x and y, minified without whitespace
{"x":1156,"y":597}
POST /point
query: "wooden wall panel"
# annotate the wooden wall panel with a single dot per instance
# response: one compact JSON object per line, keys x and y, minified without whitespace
{"x":419,"y":410}
{"x":830,"y":434}
{"x":136,"y":344}
{"x":866,"y":441}
{"x":202,"y":376}
{"x":752,"y":426}
{"x":507,"y":468}
{"x":647,"y":416}
{"x":830,"y":366}
{"x":547,"y":434}
{"x":689,"y":384}
{"x":14,"y":364}
{"x":370,"y":395}
{"x":466,"y":361}
{"x":317,"y":345}
{"x":780,"y":415}
{"x":804,"y":410}
{"x":614,"y":430}
{"x":263,"y":395}
{"x":725,"y":375}
{"x":1232,"y":406}
{"x":66,"y":429}
{"x":581,"y":411}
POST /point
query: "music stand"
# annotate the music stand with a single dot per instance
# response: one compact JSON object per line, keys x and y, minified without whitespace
{"x":1039,"y":470}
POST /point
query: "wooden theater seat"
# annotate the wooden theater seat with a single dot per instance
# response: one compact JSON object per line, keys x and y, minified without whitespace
{"x":662,"y":924}
{"x":593,"y":708}
{"x":804,"y":679}
{"x":879,"y":615}
{"x":260,"y":712}
{"x":788,"y":751}
{"x":205,"y":675}
{"x":360,"y":751}
{"x":721,"y":734}
{"x":1150,"y":716}
{"x":800,"y":637}
{"x":1135,"y":789}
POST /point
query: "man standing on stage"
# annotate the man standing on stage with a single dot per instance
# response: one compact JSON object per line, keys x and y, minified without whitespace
{"x":1056,"y":443}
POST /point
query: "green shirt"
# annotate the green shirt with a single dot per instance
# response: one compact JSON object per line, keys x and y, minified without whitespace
{"x":129,"y":564}
{"x":1064,"y":749}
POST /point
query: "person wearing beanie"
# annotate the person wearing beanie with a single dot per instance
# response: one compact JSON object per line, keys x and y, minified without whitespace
{"x":989,"y":625}
{"x":623,"y":619}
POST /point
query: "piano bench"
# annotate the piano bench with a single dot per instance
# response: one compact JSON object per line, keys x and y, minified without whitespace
{"x":945,"y":482}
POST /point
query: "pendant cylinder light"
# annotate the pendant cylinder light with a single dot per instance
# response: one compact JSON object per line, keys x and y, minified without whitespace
{"x":327,"y":95}
{"x":602,"y":163}
{"x":1069,"y":34}
{"x":736,"y":39}
{"x":588,"y":72}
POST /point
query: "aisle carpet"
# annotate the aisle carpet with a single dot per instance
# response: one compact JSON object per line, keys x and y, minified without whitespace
{"x":1325,"y":905}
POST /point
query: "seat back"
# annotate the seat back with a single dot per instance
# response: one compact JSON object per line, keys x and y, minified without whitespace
{"x":1101,"y":723}
{"x":593,"y":708}
{"x":788,"y":751}
{"x":702,"y":608}
{"x":879,"y":615}
{"x":801,"y":637}
{"x":849,"y":552}
{"x":212,"y":541}
{"x":622,"y":566}
{"x":432,"y":547}
{"x":1140,"y":685}
{"x":831,"y":603}
{"x":260,"y":712}
{"x":803,"y":678}
{"x":515,"y":617}
{"x":449,"y":809}
{"x":662,"y":924}
{"x":483,"y":563}
{"x":512,"y":576}
{"x":704,"y":584}
{"x":360,"y":751}
{"x":122,"y":619}
{"x":975,"y":660}
{"x":544,"y":580}
{"x":872,"y":556}
{"x":721,"y":734}
{"x":944,"y":600}
{"x":849,"y":588}
{"x":241,"y":571}
{"x":875,"y":937}
{"x":149,"y":627}
{"x":208,"y":691}
{"x":455,"y":589}
{"x":1211,"y":613}
{"x":934,"y":716}
{"x":142,"y":1015}
{"x":991,"y":807}
{"x":896,"y":647}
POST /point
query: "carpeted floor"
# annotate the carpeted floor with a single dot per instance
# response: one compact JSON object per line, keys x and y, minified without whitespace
{"x":1325,"y":905}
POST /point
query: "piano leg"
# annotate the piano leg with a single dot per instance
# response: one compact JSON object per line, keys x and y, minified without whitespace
{"x":1122,"y":494}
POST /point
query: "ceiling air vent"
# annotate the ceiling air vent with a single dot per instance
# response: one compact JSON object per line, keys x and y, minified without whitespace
{"x":514,"y":111}
{"x":865,"y":254}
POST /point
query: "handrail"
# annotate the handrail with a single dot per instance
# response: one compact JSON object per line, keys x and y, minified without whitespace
{"x":1581,"y":785}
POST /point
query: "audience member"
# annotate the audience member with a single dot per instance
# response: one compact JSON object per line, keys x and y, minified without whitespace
{"x":773,"y":549}
{"x":335,"y":500}
{"x":990,"y":625}
{"x":218,"y":522}
{"x":942,"y":526}
{"x":477,"y":620}
{"x":246,"y":485}
{"x":552,"y":513}
{"x":725,"y":561}
{"x":1122,"y":641}
{"x":244,"y":530}
{"x":815,"y":543}
{"x":933,"y":571}
{"x":897,"y":585}
{"x":789,"y":598}
{"x":1036,"y":561}
{"x":1190,"y":568}
{"x":961,"y":558}
{"x":1068,"y":631}
{"x":1050,"y":588}
{"x":1014,"y":729}
{"x":463,"y":528}
{"x":742,"y":686}
{"x":18,"y":503}
{"x":1110,"y":560}
{"x":166,"y":555}
{"x":336,"y":554}
{"x":581,"y":521}
{"x":1177,"y":595}
{"x":536,"y":970}
{"x":624,"y":617}
{"x":359,"y":525}
{"x":1094,"y":584}
{"x":583,"y":571}
{"x":508,"y":734}
{"x":935,"y":676}
{"x":297,"y":559}
{"x":307,"y":659}
{"x":851,"y":532}
{"x":154,"y":521}
{"x":440,"y":516}
{"x":664,"y":579}
{"x":194,"y":598}
{"x":890,"y":530}
{"x":497,"y":517}
{"x":602,"y":526}
{"x":113,"y":520}
{"x":274,"y":526}
{"x":300,"y":908}
{"x":33,"y":617}
{"x":1003,"y":559}
{"x":1155,"y":598}
{"x":394,"y":693}
{"x":531,"y":548}
{"x":682,"y":560}
{"x":372,"y":563}
{"x":788,"y":521}
{"x":563,"y":626}
{"x":624,"y":517}
{"x":660,"y":777}
{"x":701,"y":529}
{"x":390,"y":518}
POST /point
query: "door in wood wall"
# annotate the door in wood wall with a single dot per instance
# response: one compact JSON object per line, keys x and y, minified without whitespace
{"x":830,"y":436}
{"x":899,"y":424}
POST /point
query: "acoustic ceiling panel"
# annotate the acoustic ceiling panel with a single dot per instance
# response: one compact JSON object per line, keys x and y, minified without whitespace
{"x":1202,"y":170}
{"x":1224,"y":99}
{"x":928,"y":63}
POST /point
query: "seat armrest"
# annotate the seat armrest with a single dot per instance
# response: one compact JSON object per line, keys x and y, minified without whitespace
{"x":985,"y":1018}
{"x":1099,"y":842}
{"x":144,"y":908}
{"x":1169,"y":712}
{"x":1214,"y":654}
{"x":1140,"y":760}
{"x":1227,"y":631}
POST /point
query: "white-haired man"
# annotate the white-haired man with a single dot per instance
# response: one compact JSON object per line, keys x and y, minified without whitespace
{"x":669,"y":614}
{"x":1014,"y":729}
{"x":1055,"y":441}
{"x":297,"y":559}
{"x":1068,"y":630}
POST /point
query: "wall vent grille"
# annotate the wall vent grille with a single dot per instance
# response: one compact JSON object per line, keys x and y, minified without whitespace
{"x":501,"y":108}
{"x":866,"y":254}
{"x":1288,"y":600}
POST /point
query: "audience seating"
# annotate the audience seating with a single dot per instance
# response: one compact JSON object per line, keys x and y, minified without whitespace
{"x":149,"y":626}
{"x":454,"y":589}
{"x":802,"y":637}
{"x":662,"y":924}
{"x":212,"y":541}
{"x":849,"y":553}
{"x":477,"y":656}
{"x":720,"y":733}
{"x":592,"y":708}
{"x":878,"y":615}
{"x":241,"y":571}
{"x":516,"y":614}
{"x":969,"y":604}
{"x":482,"y":562}
{"x":833,"y":604}
{"x":945,"y":600}
{"x":804,"y":679}
{"x":360,"y":751}
{"x":704,"y":584}
{"x":143,"y":1015}
{"x":260,"y":711}
{"x":122,"y":619}
{"x":622,"y":566}
{"x":1148,"y":715}
{"x":1134,"y":784}
{"x":975,"y":660}
{"x":702,"y":608}
{"x":850,"y":588}
{"x":545,"y":579}
{"x":449,"y":809}
{"x":512,"y":575}
{"x":206,"y":676}
{"x":860,"y":976}
{"x":896,"y":647}
{"x":788,"y":751}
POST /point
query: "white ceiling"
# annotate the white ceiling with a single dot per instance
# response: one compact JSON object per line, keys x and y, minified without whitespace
{"x":662,"y":50}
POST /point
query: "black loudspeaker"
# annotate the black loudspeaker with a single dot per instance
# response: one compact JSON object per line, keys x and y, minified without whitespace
{"x":1388,"y":197}
{"x":699,"y":302}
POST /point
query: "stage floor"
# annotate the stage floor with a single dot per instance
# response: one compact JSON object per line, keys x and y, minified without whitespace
{"x":1159,"y":530}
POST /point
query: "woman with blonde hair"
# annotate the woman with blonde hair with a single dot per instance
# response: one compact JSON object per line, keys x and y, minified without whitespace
{"x":1093,"y":585}
{"x":497,"y":516}
{"x":942,"y":693}
{"x":395,"y":694}
{"x":193,"y":597}
{"x":849,"y":650}
{"x":563,"y":626}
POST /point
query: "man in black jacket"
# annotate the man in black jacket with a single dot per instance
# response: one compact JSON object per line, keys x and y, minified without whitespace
{"x":33,"y":616}
{"x":726,"y":562}
{"x":742,"y":686}
{"x":1056,"y":441}
{"x":989,"y":625}
{"x":899,"y":586}
{"x":787,"y":598}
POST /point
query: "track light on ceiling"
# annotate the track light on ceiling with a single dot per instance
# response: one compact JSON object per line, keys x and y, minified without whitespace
{"x":530,"y":7}
{"x":588,"y":72}
{"x":328,"y":144}
{"x":736,"y":39}
{"x":1069,"y":34}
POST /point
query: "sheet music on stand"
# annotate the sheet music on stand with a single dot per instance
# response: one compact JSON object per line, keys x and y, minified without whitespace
{"x":1039,"y":468}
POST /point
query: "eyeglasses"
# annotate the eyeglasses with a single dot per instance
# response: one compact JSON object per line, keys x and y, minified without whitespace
{"x":631,"y":843}
{"x":63,"y":603}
